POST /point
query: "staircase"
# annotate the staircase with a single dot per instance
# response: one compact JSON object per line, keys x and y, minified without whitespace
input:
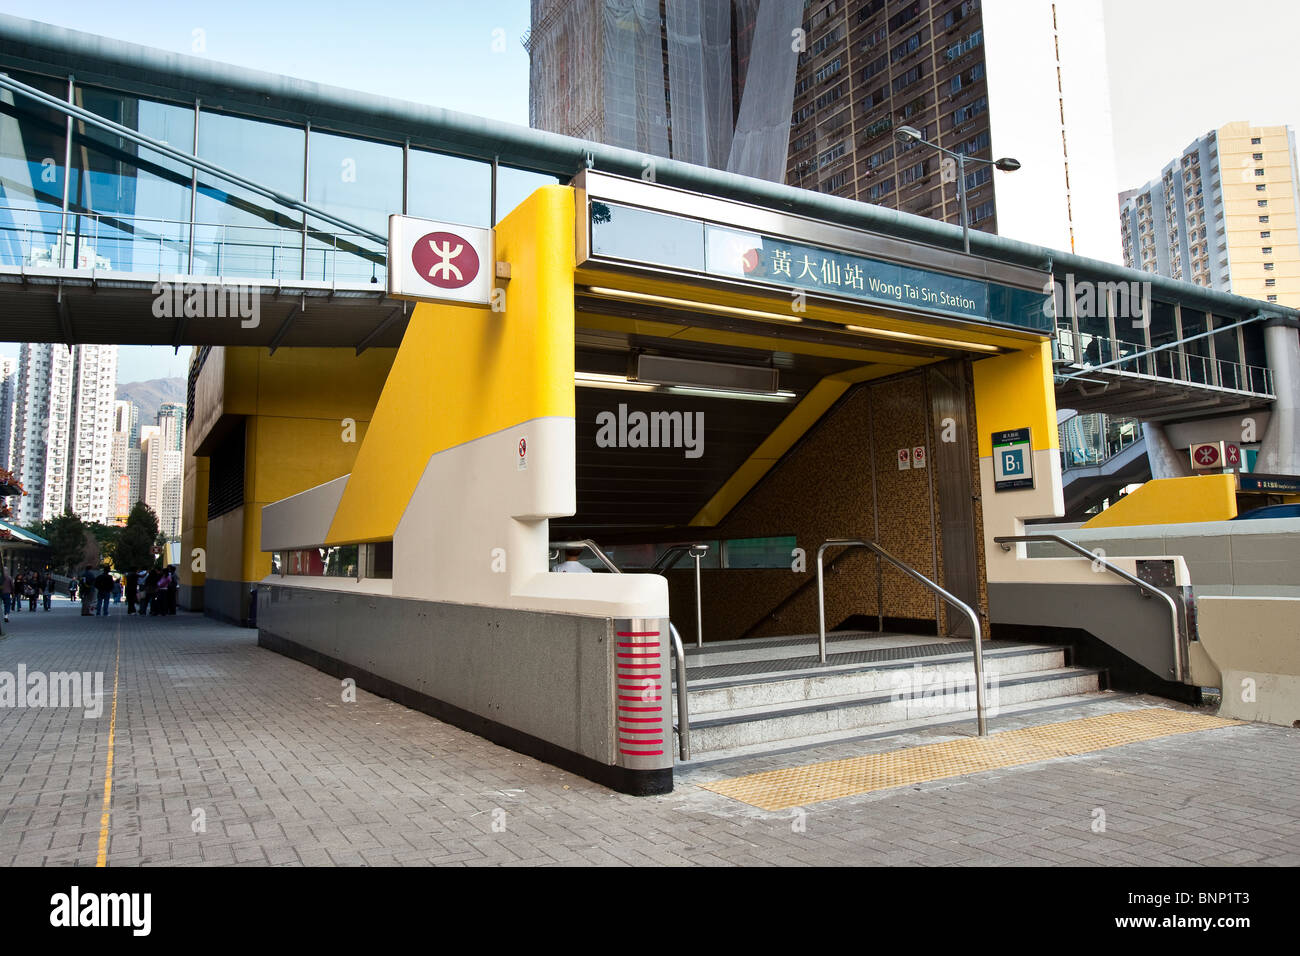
{"x":767,"y":694}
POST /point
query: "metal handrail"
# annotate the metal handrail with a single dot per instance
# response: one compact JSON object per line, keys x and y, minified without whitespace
{"x":1180,"y":645}
{"x":883,"y":555}
{"x":683,"y":709}
{"x":697,"y":552}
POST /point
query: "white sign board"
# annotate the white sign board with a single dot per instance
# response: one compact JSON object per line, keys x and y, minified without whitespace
{"x":439,"y":261}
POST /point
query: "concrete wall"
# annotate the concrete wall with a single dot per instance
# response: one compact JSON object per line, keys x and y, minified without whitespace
{"x":538,"y":682}
{"x":1257,"y":558}
{"x":1250,"y":648}
{"x":1173,"y":501}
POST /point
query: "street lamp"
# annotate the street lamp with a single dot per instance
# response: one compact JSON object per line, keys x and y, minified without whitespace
{"x":910,"y":134}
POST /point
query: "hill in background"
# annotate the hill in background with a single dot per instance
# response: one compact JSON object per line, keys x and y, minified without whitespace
{"x":149,"y":395}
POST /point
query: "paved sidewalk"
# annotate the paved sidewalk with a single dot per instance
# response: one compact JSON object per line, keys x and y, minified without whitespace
{"x":228,"y":754}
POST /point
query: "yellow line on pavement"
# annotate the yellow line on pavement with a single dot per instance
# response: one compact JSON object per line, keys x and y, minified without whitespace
{"x":108,"y":768}
{"x":814,"y":783}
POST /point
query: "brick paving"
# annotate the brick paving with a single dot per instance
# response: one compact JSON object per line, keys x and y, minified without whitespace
{"x":228,"y":754}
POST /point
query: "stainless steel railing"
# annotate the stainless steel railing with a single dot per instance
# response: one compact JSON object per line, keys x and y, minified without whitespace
{"x":1170,"y":362}
{"x":675,"y":553}
{"x":679,"y":651}
{"x":881,"y":556}
{"x":1148,"y":590}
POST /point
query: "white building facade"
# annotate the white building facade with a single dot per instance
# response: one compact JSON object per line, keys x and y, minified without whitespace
{"x":62,"y":447}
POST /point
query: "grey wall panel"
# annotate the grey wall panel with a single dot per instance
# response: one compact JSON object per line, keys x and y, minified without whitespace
{"x":546,"y":675}
{"x":226,"y":600}
{"x":1136,"y":626}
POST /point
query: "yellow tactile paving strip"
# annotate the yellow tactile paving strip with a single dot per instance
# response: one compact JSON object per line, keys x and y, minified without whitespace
{"x":814,"y":783}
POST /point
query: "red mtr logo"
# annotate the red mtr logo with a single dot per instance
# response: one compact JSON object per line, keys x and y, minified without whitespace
{"x":1207,"y":456}
{"x":445,"y":260}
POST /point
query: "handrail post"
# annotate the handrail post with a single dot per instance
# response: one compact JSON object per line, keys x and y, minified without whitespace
{"x":698,"y":552}
{"x":821,"y":607}
{"x":683,"y":709}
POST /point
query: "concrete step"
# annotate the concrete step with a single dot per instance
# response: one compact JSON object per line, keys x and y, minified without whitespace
{"x":801,"y":645}
{"x":961,"y":723}
{"x":907,"y":676}
{"x":785,"y":720}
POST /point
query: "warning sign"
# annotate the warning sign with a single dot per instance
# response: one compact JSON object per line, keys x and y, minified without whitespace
{"x":918,"y":456}
{"x":904,"y":459}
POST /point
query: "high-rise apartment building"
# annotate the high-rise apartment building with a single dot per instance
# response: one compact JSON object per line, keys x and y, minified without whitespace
{"x":163,"y":457}
{"x":812,"y":95}
{"x":63,"y":430}
{"x":1223,"y":214}
{"x":126,"y":458}
{"x":91,"y":488}
{"x":8,"y":409}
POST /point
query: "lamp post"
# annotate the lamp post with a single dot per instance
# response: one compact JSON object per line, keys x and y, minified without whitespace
{"x":910,"y":134}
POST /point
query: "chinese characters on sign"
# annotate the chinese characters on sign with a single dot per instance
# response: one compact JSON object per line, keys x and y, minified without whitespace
{"x":643,"y":236}
{"x":765,"y":259}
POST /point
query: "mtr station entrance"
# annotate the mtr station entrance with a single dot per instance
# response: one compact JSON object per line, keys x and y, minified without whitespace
{"x":792,"y":421}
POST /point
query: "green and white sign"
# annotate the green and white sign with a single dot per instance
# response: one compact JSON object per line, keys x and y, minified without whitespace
{"x":1013,"y":460}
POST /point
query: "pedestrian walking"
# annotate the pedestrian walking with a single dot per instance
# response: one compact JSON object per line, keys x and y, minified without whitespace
{"x":151,"y":592}
{"x":132,"y":583}
{"x":20,"y":583}
{"x":30,"y":591}
{"x":7,"y":591}
{"x":86,"y":590}
{"x":104,"y":590}
{"x":173,"y":585}
{"x":47,"y":589}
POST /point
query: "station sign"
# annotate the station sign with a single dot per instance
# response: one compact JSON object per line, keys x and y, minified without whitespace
{"x":1207,"y":455}
{"x":432,"y":261}
{"x":1277,"y":484}
{"x":659,"y":239}
{"x":1013,"y":460}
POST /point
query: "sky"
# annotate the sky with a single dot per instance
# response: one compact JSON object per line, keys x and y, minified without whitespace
{"x":1177,"y":69}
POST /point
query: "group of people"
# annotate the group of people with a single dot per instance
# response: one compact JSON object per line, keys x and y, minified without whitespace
{"x":149,"y":591}
{"x":26,"y":586}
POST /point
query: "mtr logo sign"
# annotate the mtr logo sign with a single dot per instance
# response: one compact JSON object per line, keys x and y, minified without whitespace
{"x":439,"y":261}
{"x":1215,"y":455}
{"x":445,"y":260}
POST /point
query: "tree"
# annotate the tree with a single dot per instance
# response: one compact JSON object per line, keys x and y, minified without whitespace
{"x":67,"y":537}
{"x":106,"y":536}
{"x":135,"y":543}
